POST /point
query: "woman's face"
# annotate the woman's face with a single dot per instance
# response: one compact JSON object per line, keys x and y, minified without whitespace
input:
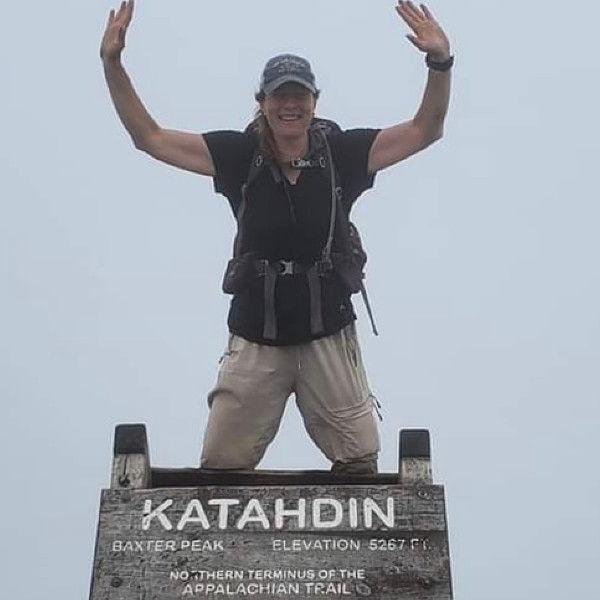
{"x":289,"y":110}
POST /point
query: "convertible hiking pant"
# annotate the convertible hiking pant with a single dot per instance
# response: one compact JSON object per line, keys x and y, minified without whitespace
{"x":329,"y":381}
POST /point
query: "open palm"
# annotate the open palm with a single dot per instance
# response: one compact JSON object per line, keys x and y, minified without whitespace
{"x":428,"y":36}
{"x":113,"y":40}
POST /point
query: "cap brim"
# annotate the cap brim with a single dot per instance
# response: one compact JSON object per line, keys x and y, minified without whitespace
{"x":273,"y":85}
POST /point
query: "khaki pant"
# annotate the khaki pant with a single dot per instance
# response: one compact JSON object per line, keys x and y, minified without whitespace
{"x":329,"y":381}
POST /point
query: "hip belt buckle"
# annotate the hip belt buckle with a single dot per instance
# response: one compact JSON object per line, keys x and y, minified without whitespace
{"x":286,"y":267}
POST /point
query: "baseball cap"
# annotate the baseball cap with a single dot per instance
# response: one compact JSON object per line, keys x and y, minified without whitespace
{"x":284,"y":68}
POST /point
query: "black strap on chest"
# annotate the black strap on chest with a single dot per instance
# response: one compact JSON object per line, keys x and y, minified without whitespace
{"x":320,"y":158}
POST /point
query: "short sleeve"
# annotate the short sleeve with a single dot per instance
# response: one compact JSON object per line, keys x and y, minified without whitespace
{"x":231,"y":152}
{"x":350,"y":151}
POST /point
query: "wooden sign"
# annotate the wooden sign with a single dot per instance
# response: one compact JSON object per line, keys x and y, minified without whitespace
{"x":292,"y":541}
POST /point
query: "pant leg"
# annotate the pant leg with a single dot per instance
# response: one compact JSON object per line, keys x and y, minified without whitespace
{"x":246,"y":404}
{"x":336,"y":403}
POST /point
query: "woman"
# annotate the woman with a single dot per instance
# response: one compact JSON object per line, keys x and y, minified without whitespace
{"x":291,"y":321}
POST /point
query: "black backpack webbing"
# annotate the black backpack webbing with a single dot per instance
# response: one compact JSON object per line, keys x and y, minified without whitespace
{"x":315,"y":271}
{"x":336,"y":204}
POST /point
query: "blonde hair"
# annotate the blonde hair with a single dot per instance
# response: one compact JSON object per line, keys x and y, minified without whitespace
{"x":266,"y":141}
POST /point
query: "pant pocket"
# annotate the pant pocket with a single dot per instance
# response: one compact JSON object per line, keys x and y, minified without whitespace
{"x":352,"y":412}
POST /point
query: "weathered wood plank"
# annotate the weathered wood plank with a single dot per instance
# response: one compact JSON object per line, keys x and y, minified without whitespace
{"x":131,"y":458}
{"x":297,"y":542}
{"x":167,"y":478}
{"x":415,"y":456}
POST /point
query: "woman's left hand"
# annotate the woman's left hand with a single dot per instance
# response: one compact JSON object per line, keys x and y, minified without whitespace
{"x":428,"y":36}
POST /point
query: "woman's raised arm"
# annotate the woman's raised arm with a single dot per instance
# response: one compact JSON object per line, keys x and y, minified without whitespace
{"x":178,"y":148}
{"x":401,"y":141}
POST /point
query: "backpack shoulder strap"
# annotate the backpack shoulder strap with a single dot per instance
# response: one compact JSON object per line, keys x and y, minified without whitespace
{"x":256,"y":166}
{"x":320,"y":130}
{"x":259,"y":160}
{"x":327,"y":126}
{"x":347,"y":228}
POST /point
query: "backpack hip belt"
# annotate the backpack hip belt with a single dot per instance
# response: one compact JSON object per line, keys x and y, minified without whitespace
{"x":271,"y":270}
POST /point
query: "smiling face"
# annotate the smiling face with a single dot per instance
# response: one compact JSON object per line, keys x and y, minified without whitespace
{"x":289,"y":110}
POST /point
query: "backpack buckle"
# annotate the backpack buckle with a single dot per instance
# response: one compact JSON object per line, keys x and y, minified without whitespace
{"x":286,"y":267}
{"x":324,"y":266}
{"x":301,"y":163}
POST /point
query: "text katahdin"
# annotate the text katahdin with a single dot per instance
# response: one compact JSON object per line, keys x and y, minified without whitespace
{"x":224,"y":513}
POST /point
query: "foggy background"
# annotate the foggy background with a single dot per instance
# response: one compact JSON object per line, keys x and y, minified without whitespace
{"x":483,"y":269}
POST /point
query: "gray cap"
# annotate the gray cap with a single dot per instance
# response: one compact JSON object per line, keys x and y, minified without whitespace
{"x":285,"y":68}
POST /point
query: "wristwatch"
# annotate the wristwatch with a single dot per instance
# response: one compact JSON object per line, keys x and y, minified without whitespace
{"x":439,"y":66}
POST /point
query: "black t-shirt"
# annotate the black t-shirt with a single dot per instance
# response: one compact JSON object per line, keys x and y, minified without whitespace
{"x":289,"y":222}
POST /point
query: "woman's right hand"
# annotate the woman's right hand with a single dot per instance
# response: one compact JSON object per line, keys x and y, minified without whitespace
{"x":113,"y":40}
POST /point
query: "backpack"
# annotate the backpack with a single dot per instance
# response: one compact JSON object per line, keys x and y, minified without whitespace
{"x":348,"y":262}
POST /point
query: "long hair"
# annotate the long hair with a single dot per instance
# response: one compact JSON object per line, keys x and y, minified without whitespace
{"x":266,"y":141}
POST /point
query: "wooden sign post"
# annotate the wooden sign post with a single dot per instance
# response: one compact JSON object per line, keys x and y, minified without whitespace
{"x":167,"y":534}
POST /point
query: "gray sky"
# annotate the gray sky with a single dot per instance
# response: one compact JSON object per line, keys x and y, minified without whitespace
{"x":483,"y":269}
